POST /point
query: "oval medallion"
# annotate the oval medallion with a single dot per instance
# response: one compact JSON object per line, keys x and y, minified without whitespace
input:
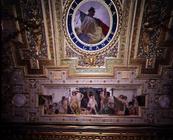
{"x":91,"y":25}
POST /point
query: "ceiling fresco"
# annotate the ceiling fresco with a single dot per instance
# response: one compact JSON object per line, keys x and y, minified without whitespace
{"x":51,"y":48}
{"x":137,"y":37}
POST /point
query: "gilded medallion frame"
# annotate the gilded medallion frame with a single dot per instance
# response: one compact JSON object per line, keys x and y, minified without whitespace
{"x":115,"y":16}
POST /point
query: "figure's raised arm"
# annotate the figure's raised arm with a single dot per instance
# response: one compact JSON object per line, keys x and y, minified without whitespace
{"x":82,"y":15}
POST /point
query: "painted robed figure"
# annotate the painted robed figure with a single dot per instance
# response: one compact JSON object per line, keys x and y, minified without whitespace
{"x":92,"y":29}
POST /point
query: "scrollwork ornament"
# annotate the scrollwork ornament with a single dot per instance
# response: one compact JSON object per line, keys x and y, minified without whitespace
{"x":156,"y":11}
{"x":34,"y":26}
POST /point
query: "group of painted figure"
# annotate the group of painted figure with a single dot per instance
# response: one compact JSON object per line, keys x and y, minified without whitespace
{"x":93,"y":103}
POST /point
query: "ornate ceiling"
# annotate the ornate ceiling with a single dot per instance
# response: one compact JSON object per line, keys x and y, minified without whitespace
{"x":39,"y":53}
{"x":142,"y":39}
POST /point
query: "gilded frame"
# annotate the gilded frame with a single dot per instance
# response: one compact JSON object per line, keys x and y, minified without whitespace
{"x":95,"y":119}
{"x":115,"y":13}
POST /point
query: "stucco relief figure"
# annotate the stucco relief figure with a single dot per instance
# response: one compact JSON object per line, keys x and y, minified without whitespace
{"x":92,"y":30}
